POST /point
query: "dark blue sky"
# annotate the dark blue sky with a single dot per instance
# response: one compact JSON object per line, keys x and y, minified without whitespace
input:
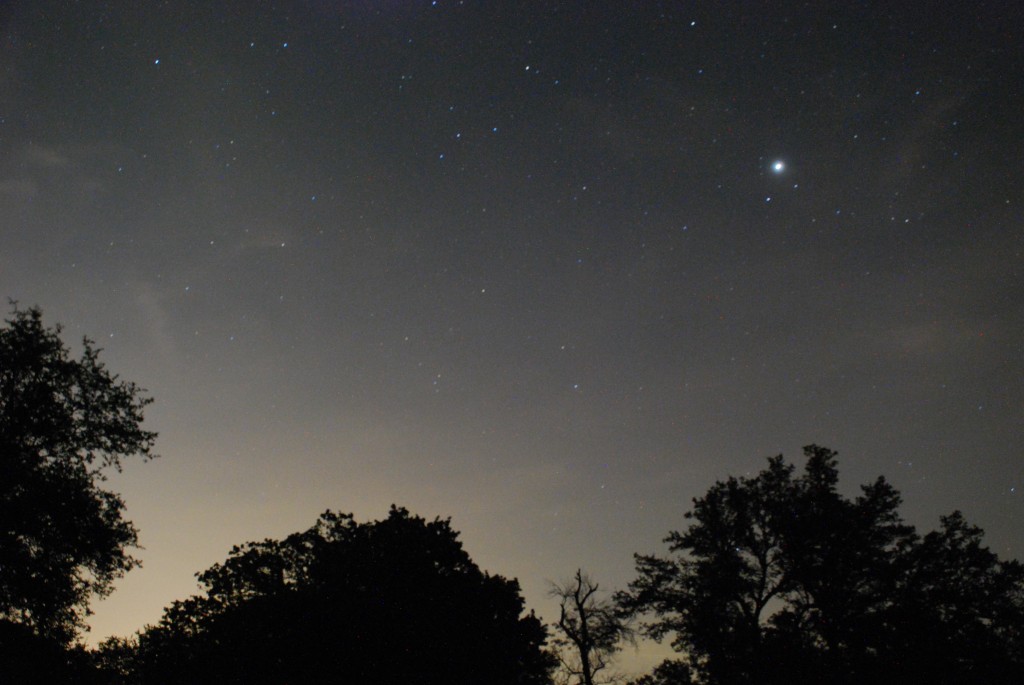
{"x":525,"y":264}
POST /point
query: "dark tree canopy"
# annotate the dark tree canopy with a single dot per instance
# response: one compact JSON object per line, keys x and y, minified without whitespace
{"x":779,"y":579}
{"x":63,"y":422}
{"x":27,"y":658}
{"x":387,"y":602}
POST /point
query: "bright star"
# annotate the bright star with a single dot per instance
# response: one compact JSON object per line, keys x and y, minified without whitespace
{"x":778,"y":166}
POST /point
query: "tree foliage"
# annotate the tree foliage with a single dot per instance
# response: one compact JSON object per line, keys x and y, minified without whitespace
{"x":386,"y":602}
{"x":63,"y":422}
{"x":27,"y":658}
{"x":591,"y":630}
{"x":780,"y":578}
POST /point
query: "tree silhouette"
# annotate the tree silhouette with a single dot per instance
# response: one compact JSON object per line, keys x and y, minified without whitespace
{"x":961,"y":609}
{"x":668,"y":672}
{"x":63,"y":422}
{"x":779,"y":578}
{"x":27,"y":658}
{"x":591,"y":629}
{"x":387,"y":602}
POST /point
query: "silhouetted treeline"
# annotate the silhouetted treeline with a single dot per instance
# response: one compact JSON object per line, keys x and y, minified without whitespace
{"x":778,"y":578}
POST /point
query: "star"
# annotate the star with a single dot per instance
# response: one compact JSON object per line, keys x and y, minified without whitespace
{"x":778,"y":166}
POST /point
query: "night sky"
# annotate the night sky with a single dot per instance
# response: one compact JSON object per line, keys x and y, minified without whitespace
{"x":548,"y":268}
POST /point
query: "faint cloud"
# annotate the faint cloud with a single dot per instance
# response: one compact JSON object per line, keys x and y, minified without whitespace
{"x":19,"y":189}
{"x":47,"y":158}
{"x":919,"y":143}
{"x":77,"y":173}
{"x":157,"y":322}
{"x":921,"y":339}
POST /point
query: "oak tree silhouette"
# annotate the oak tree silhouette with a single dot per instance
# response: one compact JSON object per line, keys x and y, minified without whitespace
{"x":63,"y":423}
{"x":780,"y":579}
{"x":381,"y":603}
